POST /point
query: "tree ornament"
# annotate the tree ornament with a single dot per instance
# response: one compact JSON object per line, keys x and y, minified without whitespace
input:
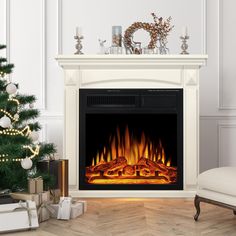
{"x":34,"y":135}
{"x":11,"y":88}
{"x":5,"y":122}
{"x":16,"y":116}
{"x":31,"y":105}
{"x":26,"y":163}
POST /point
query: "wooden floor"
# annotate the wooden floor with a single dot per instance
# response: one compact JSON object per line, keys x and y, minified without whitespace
{"x":142,"y":217}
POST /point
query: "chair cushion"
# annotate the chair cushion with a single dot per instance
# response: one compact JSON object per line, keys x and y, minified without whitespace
{"x":222,"y":180}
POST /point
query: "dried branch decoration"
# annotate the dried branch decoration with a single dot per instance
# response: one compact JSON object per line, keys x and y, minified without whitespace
{"x":158,"y":30}
{"x":163,"y":27}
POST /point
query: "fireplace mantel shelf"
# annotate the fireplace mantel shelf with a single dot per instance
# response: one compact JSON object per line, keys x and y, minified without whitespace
{"x":128,"y":72}
{"x":183,"y":60}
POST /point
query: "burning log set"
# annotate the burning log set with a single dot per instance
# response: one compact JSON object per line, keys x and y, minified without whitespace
{"x":128,"y":160}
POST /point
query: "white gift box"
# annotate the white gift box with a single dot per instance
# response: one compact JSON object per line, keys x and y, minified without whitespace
{"x":77,"y":209}
{"x":84,"y":204}
{"x":18,"y":216}
{"x":55,"y":207}
{"x":64,"y":208}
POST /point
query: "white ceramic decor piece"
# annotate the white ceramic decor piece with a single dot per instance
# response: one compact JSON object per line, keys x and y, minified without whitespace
{"x":133,"y":71}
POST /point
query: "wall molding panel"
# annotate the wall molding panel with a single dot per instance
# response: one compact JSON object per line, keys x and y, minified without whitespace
{"x":43,"y":58}
{"x":222,"y":153}
{"x":221,"y":59}
{"x":204,"y":26}
{"x":59,"y":27}
{"x":8,"y":2}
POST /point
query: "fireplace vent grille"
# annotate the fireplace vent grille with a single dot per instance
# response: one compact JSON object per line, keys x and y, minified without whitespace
{"x":120,"y":100}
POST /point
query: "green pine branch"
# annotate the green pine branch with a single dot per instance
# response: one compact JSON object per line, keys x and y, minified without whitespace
{"x":46,"y":149}
{"x":26,"y":99}
{"x":25,"y":115}
{"x":2,"y":46}
{"x":3,"y":84}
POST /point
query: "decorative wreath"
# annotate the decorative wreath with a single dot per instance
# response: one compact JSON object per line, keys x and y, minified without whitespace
{"x":140,"y":25}
{"x":159,"y":30}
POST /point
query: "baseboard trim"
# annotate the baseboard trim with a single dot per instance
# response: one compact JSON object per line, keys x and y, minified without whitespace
{"x":134,"y":194}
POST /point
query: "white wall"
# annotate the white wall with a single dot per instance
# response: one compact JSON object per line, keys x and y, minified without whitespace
{"x":37,"y":30}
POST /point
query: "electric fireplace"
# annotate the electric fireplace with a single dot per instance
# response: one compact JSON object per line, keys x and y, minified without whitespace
{"x":131,"y":139}
{"x":108,"y":97}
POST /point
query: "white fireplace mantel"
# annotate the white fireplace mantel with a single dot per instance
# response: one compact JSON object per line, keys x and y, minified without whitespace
{"x":132,"y":71}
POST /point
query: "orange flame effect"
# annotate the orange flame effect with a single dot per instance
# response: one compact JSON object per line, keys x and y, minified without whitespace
{"x":134,"y":153}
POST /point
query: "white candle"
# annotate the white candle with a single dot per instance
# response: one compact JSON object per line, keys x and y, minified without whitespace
{"x":184,"y":31}
{"x":78,"y":31}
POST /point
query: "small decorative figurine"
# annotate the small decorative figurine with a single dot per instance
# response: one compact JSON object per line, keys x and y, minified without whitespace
{"x":103,"y":49}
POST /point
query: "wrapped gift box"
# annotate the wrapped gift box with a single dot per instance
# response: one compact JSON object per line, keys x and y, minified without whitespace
{"x":35,"y":185}
{"x":59,"y":170}
{"x":50,"y":167}
{"x":44,"y":206}
{"x":64,"y":208}
{"x":77,"y":209}
{"x":38,"y":198}
{"x":31,"y":186}
{"x":26,"y":196}
{"x":55,"y":207}
{"x":45,"y":210}
{"x":84,"y":204}
{"x":18,"y":216}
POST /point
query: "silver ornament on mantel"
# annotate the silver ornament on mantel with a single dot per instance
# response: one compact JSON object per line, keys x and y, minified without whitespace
{"x":34,"y":135}
{"x":11,"y":88}
{"x":26,"y":163}
{"x":5,"y":122}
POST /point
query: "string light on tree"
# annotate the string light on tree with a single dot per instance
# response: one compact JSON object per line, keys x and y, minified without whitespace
{"x":16,"y":116}
{"x":7,"y":114}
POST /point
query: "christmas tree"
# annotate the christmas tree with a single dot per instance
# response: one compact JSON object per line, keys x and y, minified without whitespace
{"x":19,"y":146}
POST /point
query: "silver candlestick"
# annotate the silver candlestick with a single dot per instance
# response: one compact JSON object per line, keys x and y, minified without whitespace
{"x":79,"y":45}
{"x":184,"y":45}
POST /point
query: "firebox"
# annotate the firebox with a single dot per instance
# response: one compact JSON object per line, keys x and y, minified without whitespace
{"x":131,"y":139}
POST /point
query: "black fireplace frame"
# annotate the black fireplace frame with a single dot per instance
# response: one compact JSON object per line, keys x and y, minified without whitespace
{"x":151,"y":101}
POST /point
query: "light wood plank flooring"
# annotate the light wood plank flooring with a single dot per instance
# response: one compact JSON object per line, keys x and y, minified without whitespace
{"x":142,"y":217}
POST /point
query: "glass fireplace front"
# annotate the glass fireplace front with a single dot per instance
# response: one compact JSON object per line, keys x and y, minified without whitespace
{"x":131,"y":139}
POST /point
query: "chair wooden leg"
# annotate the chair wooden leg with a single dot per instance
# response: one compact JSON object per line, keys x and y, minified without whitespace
{"x":197,"y":206}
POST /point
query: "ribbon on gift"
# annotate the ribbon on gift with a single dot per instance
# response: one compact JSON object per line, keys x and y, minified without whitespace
{"x":36,"y":178}
{"x":55,"y":195}
{"x":47,"y":206}
{"x":22,"y":208}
